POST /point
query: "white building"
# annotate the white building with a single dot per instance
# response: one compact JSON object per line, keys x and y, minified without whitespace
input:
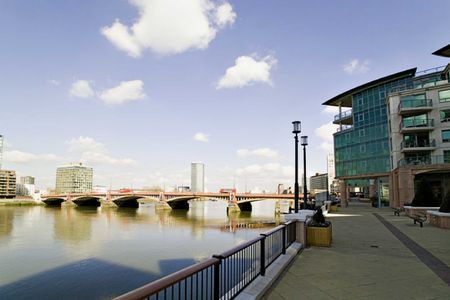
{"x":1,"y":150}
{"x":197,"y":177}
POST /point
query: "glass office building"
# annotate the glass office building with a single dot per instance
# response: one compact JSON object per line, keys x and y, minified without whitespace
{"x":361,"y":142}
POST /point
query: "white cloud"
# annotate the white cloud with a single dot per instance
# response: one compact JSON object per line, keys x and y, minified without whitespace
{"x":54,"y":82}
{"x":332,"y":110}
{"x":325,"y":132}
{"x":81,"y":89}
{"x":15,"y":156}
{"x":260,"y":152}
{"x":201,"y":137}
{"x":93,"y":152}
{"x":246,"y":71}
{"x":126,"y":91}
{"x":356,"y":66}
{"x":269,"y":170}
{"x":170,"y":26}
{"x":225,"y":15}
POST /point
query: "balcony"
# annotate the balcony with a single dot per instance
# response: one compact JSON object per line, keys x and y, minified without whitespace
{"x":424,"y":160}
{"x":423,"y":145}
{"x":416,"y":125}
{"x":345,"y":117}
{"x":344,"y":128}
{"x":407,"y":107}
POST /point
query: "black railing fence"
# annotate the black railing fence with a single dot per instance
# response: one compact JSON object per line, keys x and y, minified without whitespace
{"x":223,"y":276}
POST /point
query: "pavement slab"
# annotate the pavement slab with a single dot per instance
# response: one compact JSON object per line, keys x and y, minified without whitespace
{"x":367,"y":261}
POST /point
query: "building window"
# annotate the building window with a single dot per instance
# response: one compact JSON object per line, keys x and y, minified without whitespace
{"x":413,"y":101}
{"x":445,"y":136}
{"x":444,"y":96}
{"x":446,"y":156}
{"x":445,"y":115}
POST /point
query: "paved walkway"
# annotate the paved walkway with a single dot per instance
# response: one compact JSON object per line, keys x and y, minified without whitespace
{"x":367,"y":261}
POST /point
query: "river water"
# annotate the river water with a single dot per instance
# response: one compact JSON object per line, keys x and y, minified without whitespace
{"x":94,"y":253}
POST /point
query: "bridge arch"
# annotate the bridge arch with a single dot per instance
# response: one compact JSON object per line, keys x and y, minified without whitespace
{"x":128,"y":201}
{"x":87,"y":201}
{"x":56,"y":201}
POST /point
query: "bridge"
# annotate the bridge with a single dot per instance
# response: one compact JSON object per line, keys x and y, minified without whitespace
{"x":163,"y":200}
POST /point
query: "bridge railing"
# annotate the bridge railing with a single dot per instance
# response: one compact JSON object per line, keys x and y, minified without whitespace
{"x":225,"y":275}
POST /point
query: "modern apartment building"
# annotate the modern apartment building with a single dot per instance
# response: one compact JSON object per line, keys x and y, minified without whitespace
{"x":197,"y":177}
{"x":366,"y":144}
{"x":7,"y":184}
{"x":74,"y":178}
{"x":419,"y":122}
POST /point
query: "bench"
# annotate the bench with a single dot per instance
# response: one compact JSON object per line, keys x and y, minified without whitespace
{"x":398,"y":210}
{"x":419,"y":218}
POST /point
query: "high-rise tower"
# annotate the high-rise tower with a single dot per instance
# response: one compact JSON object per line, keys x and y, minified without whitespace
{"x":197,"y":177}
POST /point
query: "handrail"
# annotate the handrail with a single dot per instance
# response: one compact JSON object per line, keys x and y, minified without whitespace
{"x":168,"y":280}
{"x":238,"y":248}
{"x":278,"y":228}
{"x":227,"y":274}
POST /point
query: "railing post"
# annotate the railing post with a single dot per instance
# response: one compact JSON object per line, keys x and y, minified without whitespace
{"x":263,"y":255}
{"x":283,"y":231}
{"x":216,"y":283}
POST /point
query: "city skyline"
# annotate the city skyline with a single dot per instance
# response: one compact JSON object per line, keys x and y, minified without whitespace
{"x":139,"y":109}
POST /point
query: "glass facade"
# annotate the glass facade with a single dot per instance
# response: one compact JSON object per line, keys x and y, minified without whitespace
{"x":364,"y":149}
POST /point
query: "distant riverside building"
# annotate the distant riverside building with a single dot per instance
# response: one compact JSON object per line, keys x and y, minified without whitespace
{"x":197,"y":177}
{"x":1,"y":150}
{"x":7,"y":184}
{"x":26,"y":186}
{"x":183,"y":188}
{"x":74,"y":178}
{"x":330,"y":169}
{"x":318,"y":182}
{"x":100,"y":189}
{"x":27,"y":180}
{"x":389,"y":126}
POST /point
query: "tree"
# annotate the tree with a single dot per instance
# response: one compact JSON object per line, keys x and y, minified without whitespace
{"x":424,"y":196}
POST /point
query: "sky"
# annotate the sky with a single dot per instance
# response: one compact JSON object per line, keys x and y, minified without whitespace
{"x":140,"y":89}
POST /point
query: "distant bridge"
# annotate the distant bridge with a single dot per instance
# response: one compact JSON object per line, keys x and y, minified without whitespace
{"x":163,"y":200}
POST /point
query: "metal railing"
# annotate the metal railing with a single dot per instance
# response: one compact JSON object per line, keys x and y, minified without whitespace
{"x":225,"y":275}
{"x":424,"y":160}
{"x":418,"y":144}
{"x":415,"y":123}
{"x":414,"y":103}
{"x":344,"y":128}
{"x":342,"y":115}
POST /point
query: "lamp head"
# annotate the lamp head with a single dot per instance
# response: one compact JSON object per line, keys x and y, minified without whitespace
{"x":304,"y":140}
{"x":297,"y":127}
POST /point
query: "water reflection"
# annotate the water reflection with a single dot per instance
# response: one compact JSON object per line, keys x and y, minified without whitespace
{"x":6,"y":220}
{"x":43,"y":244}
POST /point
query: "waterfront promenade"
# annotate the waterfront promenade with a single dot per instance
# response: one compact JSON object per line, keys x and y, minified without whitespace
{"x":369,"y":261}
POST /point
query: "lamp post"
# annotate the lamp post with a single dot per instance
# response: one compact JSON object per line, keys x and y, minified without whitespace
{"x":305,"y":189}
{"x":296,"y":130}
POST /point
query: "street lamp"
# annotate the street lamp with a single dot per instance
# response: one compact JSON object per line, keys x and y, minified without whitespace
{"x":296,"y":131}
{"x":305,"y":190}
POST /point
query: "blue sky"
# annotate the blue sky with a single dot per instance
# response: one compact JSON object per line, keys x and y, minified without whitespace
{"x":126,"y":86}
